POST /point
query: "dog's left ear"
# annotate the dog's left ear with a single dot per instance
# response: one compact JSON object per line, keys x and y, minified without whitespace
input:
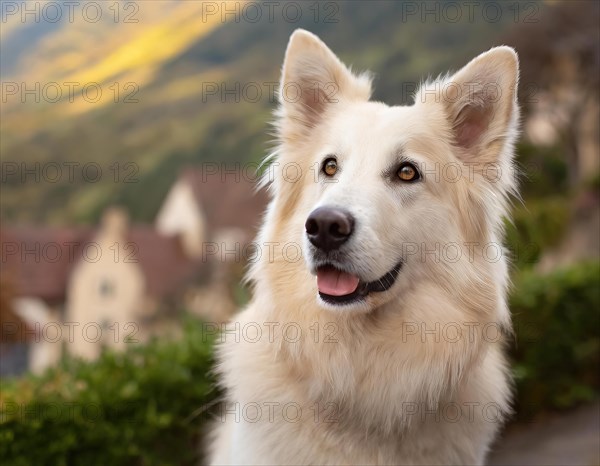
{"x":313,"y":79}
{"x":481,"y":104}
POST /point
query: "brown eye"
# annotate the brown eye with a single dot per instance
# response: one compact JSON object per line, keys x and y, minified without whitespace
{"x":408,"y":172}
{"x":330,"y":167}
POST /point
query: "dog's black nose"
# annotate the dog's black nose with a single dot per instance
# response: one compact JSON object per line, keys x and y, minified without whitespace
{"x":329,"y":227}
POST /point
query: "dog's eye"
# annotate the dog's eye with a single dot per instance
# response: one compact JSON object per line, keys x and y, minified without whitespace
{"x":330,"y":166}
{"x":408,"y":172}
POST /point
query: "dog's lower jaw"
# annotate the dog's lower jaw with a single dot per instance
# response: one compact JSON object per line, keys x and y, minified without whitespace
{"x":363,"y":290}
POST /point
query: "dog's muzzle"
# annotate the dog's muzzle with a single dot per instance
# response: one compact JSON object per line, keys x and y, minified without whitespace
{"x":327,"y":229}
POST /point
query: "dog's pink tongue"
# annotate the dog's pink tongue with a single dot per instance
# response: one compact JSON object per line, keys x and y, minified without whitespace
{"x":336,"y":283}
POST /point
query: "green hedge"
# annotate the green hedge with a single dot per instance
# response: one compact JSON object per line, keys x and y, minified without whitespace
{"x":142,"y":407}
{"x":536,"y":227}
{"x":147,"y":406}
{"x":543,"y":171}
{"x":557,"y":347}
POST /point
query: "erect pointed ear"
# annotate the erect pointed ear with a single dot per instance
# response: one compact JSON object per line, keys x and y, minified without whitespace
{"x":313,"y":78}
{"x":481,"y":105}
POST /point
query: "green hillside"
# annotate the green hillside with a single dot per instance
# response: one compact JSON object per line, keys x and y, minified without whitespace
{"x":162,"y":120}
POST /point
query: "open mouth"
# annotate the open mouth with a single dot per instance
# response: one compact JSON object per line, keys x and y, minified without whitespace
{"x":336,"y":286}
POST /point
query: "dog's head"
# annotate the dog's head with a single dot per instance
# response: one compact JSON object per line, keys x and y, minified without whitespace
{"x":373,"y":193}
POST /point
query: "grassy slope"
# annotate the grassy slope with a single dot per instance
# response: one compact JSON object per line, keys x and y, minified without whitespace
{"x":169,"y":55}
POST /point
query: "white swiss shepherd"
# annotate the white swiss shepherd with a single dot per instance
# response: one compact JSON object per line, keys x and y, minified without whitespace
{"x":383,"y":342}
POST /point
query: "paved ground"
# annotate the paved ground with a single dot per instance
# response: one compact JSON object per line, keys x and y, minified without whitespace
{"x":565,"y":440}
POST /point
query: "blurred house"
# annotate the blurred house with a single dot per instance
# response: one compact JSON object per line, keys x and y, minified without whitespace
{"x":560,"y":93}
{"x":203,"y":207}
{"x":84,"y":289}
{"x":216,"y":225}
{"x":568,"y":112}
{"x":12,"y":341}
{"x":559,"y":84}
{"x":35,"y":267}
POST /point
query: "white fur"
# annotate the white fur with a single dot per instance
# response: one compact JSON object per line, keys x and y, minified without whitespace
{"x":387,"y":388}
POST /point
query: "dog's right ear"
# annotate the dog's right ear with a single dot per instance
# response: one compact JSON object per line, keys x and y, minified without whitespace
{"x":313,"y":79}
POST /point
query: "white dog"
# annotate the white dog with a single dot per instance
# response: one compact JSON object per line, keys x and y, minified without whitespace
{"x":375,"y":333}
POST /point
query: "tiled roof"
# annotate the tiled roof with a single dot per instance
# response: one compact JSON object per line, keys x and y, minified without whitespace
{"x":228,"y":199}
{"x":40,"y":260}
{"x":165,"y":266}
